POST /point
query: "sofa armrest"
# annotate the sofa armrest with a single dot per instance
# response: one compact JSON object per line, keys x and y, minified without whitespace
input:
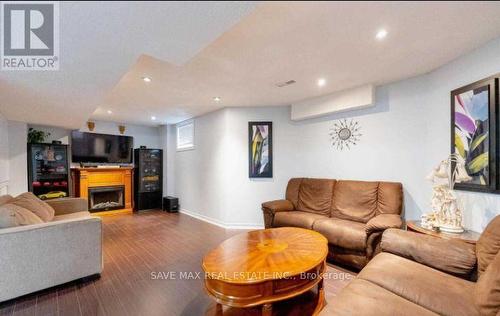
{"x":382,"y":222}
{"x":35,"y":257}
{"x":278,"y":206}
{"x":68,"y":205}
{"x":450,"y":256}
{"x":270,"y":208}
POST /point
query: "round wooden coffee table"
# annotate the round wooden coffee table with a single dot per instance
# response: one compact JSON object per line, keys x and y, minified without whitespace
{"x":265,"y":266}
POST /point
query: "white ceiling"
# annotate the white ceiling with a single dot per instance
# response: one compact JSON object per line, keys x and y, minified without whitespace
{"x":237,"y":51}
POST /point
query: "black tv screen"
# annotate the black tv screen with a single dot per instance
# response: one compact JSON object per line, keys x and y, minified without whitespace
{"x":101,"y":148}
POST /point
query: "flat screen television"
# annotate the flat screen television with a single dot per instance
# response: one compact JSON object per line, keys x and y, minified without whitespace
{"x":101,"y":148}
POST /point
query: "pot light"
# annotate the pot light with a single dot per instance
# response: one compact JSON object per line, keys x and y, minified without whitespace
{"x":321,"y":82}
{"x":381,"y":34}
{"x":146,"y":79}
{"x":217,"y":99}
{"x":153,"y":118}
{"x":110,"y":112}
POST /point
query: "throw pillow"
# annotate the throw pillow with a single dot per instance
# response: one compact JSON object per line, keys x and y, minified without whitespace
{"x":30,"y":202}
{"x":5,"y":198}
{"x":12,"y":215}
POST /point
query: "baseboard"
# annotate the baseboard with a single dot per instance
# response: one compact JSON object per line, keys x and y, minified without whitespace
{"x":220,"y":223}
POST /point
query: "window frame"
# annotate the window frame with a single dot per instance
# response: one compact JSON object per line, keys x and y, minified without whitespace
{"x":190,"y":146}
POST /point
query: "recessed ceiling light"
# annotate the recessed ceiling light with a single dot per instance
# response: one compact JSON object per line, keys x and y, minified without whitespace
{"x":146,"y":79}
{"x":153,"y":118}
{"x":381,"y":34}
{"x":321,"y":82}
{"x":217,"y":99}
{"x":110,"y":112}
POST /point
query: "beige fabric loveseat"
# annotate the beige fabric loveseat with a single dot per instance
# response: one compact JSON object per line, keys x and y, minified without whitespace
{"x":39,"y":256}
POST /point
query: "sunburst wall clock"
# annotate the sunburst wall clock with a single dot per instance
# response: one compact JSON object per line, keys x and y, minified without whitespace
{"x":345,"y":134}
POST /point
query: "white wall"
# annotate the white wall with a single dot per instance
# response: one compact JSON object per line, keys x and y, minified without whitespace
{"x":483,"y":62}
{"x":405,"y":134}
{"x":18,"y":160}
{"x":4,"y":155}
{"x":244,"y":195}
{"x":201,"y":174}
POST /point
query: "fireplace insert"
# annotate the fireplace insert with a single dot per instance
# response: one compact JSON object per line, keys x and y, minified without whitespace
{"x":106,"y":198}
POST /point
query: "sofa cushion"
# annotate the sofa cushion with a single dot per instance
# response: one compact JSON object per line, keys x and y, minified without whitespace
{"x":296,"y":219}
{"x":355,"y":200}
{"x":342,"y":233}
{"x":488,"y":245}
{"x":5,"y":198}
{"x":74,"y":215}
{"x":30,"y":202}
{"x":487,"y":291}
{"x":434,"y":290}
{"x":12,"y":215}
{"x":315,"y":196}
{"x":390,"y":198}
{"x":451,"y":256}
{"x":361,"y":297}
{"x":292,"y":191}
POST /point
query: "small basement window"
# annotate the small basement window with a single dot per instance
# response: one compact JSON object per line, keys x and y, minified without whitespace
{"x":185,"y":135}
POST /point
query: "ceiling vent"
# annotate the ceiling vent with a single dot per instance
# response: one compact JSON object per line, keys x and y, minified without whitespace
{"x":284,"y":84}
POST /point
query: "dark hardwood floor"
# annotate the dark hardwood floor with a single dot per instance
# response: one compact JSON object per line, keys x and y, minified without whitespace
{"x":139,"y":251}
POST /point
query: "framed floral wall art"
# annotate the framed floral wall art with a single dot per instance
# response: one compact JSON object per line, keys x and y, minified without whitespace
{"x":474,"y":119}
{"x":260,"y":149}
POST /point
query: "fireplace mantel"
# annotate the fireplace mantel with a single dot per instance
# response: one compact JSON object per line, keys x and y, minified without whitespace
{"x":85,"y":178}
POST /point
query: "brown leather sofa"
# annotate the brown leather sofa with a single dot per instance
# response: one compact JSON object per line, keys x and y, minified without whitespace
{"x":418,"y":274}
{"x":352,"y":215}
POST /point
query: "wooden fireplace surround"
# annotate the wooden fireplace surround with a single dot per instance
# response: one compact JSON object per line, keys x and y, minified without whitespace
{"x":85,"y":178}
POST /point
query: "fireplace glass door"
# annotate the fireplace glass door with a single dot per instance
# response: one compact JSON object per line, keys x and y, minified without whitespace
{"x":106,"y":198}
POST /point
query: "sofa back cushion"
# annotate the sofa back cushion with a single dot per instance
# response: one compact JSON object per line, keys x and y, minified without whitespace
{"x":5,"y":198}
{"x":12,"y":215}
{"x":315,"y":196}
{"x":292,"y":191}
{"x":487,"y":290}
{"x":390,"y":198}
{"x":355,"y":200}
{"x":488,"y":245}
{"x":30,"y":202}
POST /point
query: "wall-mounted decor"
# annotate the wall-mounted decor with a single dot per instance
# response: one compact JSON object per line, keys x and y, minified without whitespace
{"x":474,"y":120}
{"x":345,"y":134}
{"x":260,"y":149}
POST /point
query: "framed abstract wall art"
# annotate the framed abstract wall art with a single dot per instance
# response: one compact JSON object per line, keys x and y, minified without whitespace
{"x":260,"y":149}
{"x":474,"y":120}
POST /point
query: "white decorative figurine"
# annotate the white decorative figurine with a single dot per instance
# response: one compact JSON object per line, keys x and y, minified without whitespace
{"x":445,"y":213}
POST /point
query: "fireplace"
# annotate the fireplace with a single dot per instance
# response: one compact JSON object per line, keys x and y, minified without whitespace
{"x":85,"y":180}
{"x":106,"y":198}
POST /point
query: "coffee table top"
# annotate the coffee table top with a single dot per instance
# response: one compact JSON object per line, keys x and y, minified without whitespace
{"x":267,"y":254}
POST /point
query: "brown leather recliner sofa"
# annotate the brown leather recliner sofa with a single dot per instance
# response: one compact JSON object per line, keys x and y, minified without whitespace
{"x":352,"y":215}
{"x":416,"y":274}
